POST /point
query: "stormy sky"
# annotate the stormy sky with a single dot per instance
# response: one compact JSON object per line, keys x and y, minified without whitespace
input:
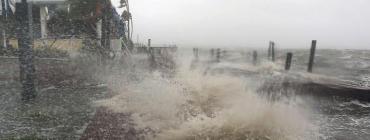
{"x":341,"y":24}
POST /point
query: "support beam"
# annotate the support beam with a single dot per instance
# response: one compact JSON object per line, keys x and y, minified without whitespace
{"x":3,"y":21}
{"x":128,"y":30}
{"x":106,"y":33}
{"x":24,"y":34}
{"x":30,"y":20}
{"x":43,"y":21}
{"x":99,"y":29}
{"x":2,"y":38}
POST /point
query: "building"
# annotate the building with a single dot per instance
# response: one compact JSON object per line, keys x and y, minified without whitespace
{"x":55,"y":23}
{"x":52,"y":19}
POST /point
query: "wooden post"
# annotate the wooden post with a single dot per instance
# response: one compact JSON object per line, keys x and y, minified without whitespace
{"x":2,"y":27}
{"x":128,"y":30}
{"x":273,"y":51}
{"x":43,"y":21}
{"x":24,"y":34}
{"x":99,"y":29}
{"x":212,"y":53}
{"x":149,"y":42}
{"x":288,"y":61}
{"x":159,"y":50}
{"x":106,"y":32}
{"x":218,"y":55}
{"x":30,"y":20}
{"x":312,"y":56}
{"x":196,"y":53}
{"x":255,"y":55}
{"x":2,"y":42}
{"x":152,"y":60}
{"x":269,"y":51}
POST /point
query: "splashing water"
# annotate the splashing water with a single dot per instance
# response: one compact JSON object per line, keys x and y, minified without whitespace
{"x":196,"y":106}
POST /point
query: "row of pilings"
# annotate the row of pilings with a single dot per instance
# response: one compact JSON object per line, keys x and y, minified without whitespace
{"x":217,"y":54}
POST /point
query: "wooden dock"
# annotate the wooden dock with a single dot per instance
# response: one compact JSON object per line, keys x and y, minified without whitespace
{"x":319,"y":85}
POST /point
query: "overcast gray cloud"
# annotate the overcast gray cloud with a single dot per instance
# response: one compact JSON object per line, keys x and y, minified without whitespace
{"x":252,"y":23}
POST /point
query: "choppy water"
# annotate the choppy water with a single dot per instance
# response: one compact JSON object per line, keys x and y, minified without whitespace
{"x":193,"y":106}
{"x":212,"y":102}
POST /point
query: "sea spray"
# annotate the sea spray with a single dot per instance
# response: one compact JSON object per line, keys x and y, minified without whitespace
{"x":196,"y":106}
{"x":231,"y":110}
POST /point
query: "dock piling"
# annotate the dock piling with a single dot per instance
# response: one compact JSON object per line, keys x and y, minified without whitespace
{"x":196,"y":53}
{"x":269,"y":51}
{"x":212,"y":53}
{"x":149,"y":42}
{"x":312,"y":56}
{"x":218,"y":55}
{"x":152,"y":58}
{"x":255,"y":56}
{"x":273,"y":51}
{"x":288,"y":61}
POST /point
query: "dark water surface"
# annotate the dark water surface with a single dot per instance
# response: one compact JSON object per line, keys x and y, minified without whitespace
{"x":63,"y":110}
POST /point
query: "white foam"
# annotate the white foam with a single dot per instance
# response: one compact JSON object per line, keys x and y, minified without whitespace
{"x":195,"y":106}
